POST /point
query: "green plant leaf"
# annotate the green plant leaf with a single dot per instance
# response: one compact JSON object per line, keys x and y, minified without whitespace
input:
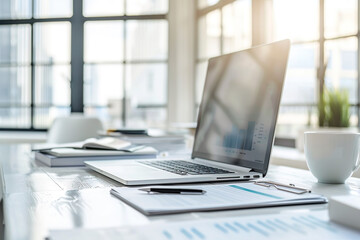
{"x":337,"y":111}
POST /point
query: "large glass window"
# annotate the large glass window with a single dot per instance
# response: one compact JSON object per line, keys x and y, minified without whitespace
{"x":123,"y":51}
{"x":15,"y":76}
{"x":223,"y":27}
{"x":51,"y":46}
{"x":324,"y":39}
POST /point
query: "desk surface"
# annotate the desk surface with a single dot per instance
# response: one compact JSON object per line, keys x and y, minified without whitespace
{"x":37,"y":198}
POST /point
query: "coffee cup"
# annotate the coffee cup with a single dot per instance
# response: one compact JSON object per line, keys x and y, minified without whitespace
{"x":332,"y":156}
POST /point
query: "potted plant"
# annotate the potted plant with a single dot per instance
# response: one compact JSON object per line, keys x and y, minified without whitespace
{"x":334,"y":109}
{"x":333,"y":114}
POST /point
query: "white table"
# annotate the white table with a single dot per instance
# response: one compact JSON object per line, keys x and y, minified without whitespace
{"x":37,"y":198}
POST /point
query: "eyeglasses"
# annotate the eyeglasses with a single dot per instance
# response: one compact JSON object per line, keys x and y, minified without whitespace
{"x":291,"y":188}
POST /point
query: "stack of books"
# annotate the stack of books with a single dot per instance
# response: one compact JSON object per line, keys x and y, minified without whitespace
{"x":145,"y":136}
{"x":74,"y":154}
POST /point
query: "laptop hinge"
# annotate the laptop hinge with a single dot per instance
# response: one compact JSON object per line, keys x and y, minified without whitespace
{"x":224,"y":165}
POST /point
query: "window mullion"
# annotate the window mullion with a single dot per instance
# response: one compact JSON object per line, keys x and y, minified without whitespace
{"x":358,"y":65}
{"x":32,"y":78}
{"x":221,"y":31}
{"x":123,"y":103}
{"x":77,"y":57}
{"x":321,"y":68}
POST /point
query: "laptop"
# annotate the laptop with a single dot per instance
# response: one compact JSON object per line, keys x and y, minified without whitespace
{"x":235,"y":128}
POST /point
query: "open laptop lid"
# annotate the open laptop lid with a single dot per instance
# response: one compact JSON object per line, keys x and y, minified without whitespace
{"x":240,"y":104}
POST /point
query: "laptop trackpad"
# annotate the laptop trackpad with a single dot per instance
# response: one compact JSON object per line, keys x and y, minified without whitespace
{"x":136,"y":172}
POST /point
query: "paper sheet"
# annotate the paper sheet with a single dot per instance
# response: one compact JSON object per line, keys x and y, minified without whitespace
{"x":217,"y":197}
{"x":308,"y":225}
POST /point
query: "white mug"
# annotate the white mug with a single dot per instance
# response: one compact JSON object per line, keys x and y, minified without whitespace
{"x":332,"y":156}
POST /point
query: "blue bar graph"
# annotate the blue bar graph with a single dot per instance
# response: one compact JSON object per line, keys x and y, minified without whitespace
{"x":272,"y":223}
{"x":198,"y":233}
{"x":240,"y":138}
{"x":249,"y":136}
{"x":257,"y":229}
{"x":231,"y":227}
{"x":242,"y":227}
{"x":186,"y":233}
{"x":267,"y":227}
{"x":167,"y":234}
{"x":221,"y":228}
{"x":293,"y":227}
{"x":304,"y":223}
{"x":318,"y":222}
{"x":270,"y":226}
{"x":261,"y":223}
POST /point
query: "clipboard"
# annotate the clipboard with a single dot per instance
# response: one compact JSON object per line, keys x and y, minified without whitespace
{"x":243,"y":195}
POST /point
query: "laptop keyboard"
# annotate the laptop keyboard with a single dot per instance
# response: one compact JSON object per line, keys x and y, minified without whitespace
{"x":184,"y":167}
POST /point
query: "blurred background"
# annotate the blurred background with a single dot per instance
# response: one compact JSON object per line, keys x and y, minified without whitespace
{"x":142,"y":63}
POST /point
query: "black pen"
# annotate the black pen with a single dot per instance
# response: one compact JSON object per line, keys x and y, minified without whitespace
{"x":186,"y":191}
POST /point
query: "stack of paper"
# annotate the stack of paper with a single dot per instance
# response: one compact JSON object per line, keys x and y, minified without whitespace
{"x":217,"y":197}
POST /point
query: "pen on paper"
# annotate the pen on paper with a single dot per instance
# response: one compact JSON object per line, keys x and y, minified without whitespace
{"x":188,"y":191}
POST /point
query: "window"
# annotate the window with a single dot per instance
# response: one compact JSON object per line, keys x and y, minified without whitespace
{"x":324,"y":35}
{"x":105,"y":58}
{"x":223,"y":27}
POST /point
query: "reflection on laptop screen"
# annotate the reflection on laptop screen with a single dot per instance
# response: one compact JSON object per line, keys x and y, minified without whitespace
{"x":239,"y":107}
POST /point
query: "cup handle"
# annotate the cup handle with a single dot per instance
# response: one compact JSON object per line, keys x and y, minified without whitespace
{"x":357,"y":166}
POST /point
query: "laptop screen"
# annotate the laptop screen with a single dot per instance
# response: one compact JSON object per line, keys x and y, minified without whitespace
{"x":239,"y":107}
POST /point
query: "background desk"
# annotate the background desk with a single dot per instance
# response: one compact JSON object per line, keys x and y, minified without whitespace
{"x":37,"y":198}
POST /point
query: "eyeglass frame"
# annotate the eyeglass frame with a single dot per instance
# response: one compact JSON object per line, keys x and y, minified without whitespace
{"x":278,"y":186}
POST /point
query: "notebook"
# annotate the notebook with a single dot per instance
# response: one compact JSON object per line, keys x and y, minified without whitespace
{"x":76,"y":157}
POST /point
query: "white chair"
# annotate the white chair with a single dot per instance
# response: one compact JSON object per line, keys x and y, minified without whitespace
{"x":73,"y":129}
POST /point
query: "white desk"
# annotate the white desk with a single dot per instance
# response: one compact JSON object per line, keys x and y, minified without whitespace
{"x":292,"y":157}
{"x":8,"y":137}
{"x":37,"y":198}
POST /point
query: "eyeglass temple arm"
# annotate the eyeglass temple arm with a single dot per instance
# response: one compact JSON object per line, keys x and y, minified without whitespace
{"x":277,"y":185}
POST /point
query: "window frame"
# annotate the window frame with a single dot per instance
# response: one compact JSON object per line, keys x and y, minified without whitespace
{"x":257,"y":7}
{"x":202,"y":12}
{"x":320,"y":84}
{"x":77,"y":22}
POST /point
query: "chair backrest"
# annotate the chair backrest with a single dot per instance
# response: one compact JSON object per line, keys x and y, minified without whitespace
{"x":73,"y":129}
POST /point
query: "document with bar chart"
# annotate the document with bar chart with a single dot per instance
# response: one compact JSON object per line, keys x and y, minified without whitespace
{"x":295,"y":226}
